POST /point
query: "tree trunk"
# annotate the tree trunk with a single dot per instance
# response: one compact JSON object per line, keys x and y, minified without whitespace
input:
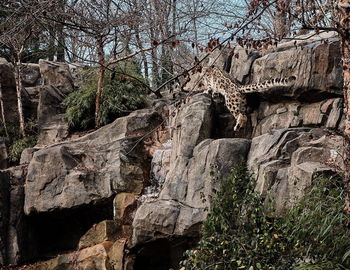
{"x":3,"y":118}
{"x":195,"y":30}
{"x":51,"y":45}
{"x":154,"y":57}
{"x":344,"y":22}
{"x":19,"y":97}
{"x":60,"y":50}
{"x":281,"y":23}
{"x":100,"y":83}
{"x":61,"y":44}
{"x":143,"y":55}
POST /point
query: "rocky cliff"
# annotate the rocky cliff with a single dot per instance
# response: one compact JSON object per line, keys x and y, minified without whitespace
{"x":133,"y":194}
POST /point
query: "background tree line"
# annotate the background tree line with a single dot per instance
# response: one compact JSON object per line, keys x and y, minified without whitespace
{"x":162,"y":36}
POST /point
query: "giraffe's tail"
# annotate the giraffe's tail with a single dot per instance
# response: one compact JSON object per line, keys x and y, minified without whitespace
{"x":267,"y":85}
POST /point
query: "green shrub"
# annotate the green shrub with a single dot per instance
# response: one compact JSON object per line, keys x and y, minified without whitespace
{"x":120,"y":97}
{"x":15,"y":143}
{"x":17,"y":147}
{"x":237,"y":233}
{"x":316,"y":226}
{"x":240,"y":234}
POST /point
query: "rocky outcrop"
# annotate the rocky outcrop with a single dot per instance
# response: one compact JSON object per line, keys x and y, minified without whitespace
{"x":180,"y":209}
{"x":57,"y":75}
{"x":323,"y":114}
{"x":133,"y":194}
{"x":285,"y":162}
{"x":13,"y":230}
{"x":104,"y":256}
{"x":53,"y":127}
{"x":8,"y":87}
{"x":58,"y":83}
{"x":96,"y":166}
{"x":314,"y":63}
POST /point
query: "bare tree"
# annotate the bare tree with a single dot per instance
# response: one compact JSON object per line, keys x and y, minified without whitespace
{"x":16,"y":31}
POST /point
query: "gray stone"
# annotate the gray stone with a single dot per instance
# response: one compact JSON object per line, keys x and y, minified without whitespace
{"x":30,"y":75}
{"x":160,"y":164}
{"x":323,"y":114}
{"x":3,"y":154}
{"x":285,"y":162}
{"x":52,"y":124}
{"x":241,"y":65}
{"x":27,"y":155}
{"x":91,"y":168}
{"x":57,"y":74}
{"x":180,"y":208}
{"x":315,"y":66}
{"x":192,"y":125}
{"x":335,"y":114}
{"x":13,"y":230}
{"x":104,"y":231}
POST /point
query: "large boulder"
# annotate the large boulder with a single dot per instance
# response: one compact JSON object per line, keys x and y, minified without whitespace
{"x":13,"y":246}
{"x":30,"y":74}
{"x":104,"y":256}
{"x":57,"y":75}
{"x":323,"y":114}
{"x":91,"y":168}
{"x":180,"y":208}
{"x":285,"y":162}
{"x":8,"y":87}
{"x":53,"y":126}
{"x":315,"y":66}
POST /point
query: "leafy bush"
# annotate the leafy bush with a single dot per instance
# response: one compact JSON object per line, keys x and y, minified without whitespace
{"x":17,"y":147}
{"x":240,"y":234}
{"x":15,"y":143}
{"x":316,"y":226}
{"x":120,"y":97}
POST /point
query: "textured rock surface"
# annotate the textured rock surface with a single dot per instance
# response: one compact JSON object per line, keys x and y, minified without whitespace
{"x":241,"y":64}
{"x":8,"y":86}
{"x":53,"y":126}
{"x":58,"y":83}
{"x":179,"y":210}
{"x":326,"y":114}
{"x":156,"y":166}
{"x":315,"y":66}
{"x":57,"y":75}
{"x":285,"y":161}
{"x":3,"y":154}
{"x":96,"y":166}
{"x":124,"y":205}
{"x":104,"y":256}
{"x":13,"y":231}
{"x":31,"y":75}
{"x":104,"y":231}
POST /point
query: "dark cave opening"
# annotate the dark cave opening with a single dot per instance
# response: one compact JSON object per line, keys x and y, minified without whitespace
{"x":57,"y":232}
{"x":162,"y":254}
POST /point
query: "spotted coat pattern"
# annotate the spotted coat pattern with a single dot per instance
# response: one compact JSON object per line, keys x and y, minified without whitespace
{"x":218,"y":81}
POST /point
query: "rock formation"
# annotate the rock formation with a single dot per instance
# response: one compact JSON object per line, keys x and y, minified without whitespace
{"x":133,"y":194}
